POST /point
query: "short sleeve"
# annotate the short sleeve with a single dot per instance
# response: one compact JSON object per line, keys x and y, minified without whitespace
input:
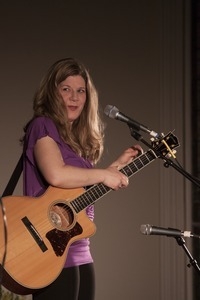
{"x":39,"y":128}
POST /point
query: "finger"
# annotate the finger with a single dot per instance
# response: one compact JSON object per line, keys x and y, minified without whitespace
{"x":125,"y":182}
{"x":138,"y":148}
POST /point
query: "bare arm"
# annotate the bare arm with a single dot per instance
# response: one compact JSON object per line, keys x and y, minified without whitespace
{"x":57,"y":173}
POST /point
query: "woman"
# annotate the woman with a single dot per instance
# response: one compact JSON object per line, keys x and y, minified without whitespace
{"x":62,"y":144}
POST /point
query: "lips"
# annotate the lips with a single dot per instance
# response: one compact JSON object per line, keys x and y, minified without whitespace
{"x":72,"y":108}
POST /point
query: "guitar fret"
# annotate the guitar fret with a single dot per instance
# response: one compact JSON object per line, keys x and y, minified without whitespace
{"x":84,"y":200}
{"x":94,"y":193}
{"x":127,"y":171}
{"x":89,"y":197}
{"x":138,"y":164}
{"x":74,"y":204}
{"x":105,"y":188}
{"x":99,"y":190}
{"x":81,"y":203}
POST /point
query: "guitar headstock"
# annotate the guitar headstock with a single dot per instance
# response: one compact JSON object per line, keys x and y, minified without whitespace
{"x":166,"y":145}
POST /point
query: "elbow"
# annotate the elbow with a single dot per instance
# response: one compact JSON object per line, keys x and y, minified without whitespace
{"x":54,"y":179}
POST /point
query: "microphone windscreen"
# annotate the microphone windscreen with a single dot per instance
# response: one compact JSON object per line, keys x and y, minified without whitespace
{"x":111,"y":111}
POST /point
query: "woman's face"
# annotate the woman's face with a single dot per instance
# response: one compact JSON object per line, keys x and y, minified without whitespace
{"x":73,"y":93}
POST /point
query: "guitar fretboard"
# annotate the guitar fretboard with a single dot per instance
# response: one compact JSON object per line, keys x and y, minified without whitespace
{"x":99,"y":190}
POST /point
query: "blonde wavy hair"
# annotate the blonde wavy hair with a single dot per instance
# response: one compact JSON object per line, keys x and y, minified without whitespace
{"x":86,"y":134}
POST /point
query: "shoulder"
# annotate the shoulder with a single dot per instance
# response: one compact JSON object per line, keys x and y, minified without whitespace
{"x":42,"y":126}
{"x":41,"y":121}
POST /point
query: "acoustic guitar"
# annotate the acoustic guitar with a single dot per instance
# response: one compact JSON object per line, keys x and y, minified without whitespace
{"x":39,"y":230}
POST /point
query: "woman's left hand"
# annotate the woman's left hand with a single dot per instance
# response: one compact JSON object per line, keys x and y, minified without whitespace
{"x":127,"y":156}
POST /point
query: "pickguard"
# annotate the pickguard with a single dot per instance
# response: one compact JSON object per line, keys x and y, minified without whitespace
{"x":59,"y":239}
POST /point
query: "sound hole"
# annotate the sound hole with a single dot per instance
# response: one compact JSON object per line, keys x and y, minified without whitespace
{"x":61,"y":216}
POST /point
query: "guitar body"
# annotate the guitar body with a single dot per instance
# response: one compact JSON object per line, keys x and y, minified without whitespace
{"x":39,"y":233}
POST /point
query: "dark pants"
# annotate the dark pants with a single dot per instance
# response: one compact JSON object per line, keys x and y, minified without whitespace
{"x":76,"y":283}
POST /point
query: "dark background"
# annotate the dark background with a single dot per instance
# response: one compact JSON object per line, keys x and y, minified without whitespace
{"x":141,"y":58}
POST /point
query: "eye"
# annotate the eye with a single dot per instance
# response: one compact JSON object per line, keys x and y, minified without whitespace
{"x":66,"y":89}
{"x":81,"y":90}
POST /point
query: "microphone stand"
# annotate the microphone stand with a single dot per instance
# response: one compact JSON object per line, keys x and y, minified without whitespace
{"x":193,"y":262}
{"x":168,"y":162}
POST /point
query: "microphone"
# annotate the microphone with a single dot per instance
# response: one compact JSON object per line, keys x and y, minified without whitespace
{"x":114,"y":113}
{"x":154,"y":230}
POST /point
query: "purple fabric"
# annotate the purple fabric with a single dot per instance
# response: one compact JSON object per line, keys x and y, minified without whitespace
{"x":35,"y":185}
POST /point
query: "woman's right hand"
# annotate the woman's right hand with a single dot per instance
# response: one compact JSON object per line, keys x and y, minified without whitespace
{"x":114,"y":179}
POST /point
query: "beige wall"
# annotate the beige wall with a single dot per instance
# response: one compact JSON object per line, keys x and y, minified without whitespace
{"x":134,"y":53}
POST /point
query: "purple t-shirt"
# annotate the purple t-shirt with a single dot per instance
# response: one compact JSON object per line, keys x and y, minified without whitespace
{"x":35,"y":185}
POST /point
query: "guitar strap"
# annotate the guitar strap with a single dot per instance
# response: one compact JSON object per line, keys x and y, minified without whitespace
{"x":14,"y":178}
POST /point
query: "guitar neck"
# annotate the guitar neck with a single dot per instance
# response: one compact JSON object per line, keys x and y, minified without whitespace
{"x":97,"y":191}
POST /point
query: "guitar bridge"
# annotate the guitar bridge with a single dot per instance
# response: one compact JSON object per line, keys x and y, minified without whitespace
{"x":35,"y":234}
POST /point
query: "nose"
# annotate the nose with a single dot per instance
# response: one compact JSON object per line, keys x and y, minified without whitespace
{"x":74,"y":96}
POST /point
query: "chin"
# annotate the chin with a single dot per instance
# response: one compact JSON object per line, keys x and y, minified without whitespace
{"x":71,"y":120}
